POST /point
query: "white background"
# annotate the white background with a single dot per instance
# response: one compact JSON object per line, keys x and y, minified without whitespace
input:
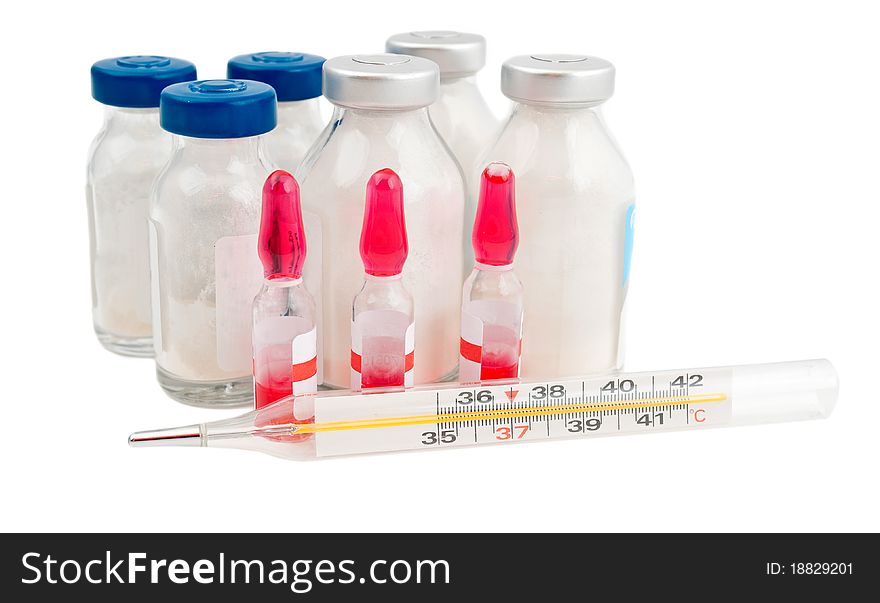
{"x":752,"y":129}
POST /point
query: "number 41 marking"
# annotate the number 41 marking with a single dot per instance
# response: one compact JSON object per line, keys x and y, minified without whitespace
{"x":506,"y":433}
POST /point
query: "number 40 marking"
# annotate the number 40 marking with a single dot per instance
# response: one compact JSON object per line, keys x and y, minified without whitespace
{"x":506,"y":433}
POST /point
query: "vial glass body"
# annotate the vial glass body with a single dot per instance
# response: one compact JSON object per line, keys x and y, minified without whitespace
{"x":576,"y":210}
{"x":299,"y":124}
{"x":332,"y":179}
{"x":491,"y":324}
{"x":125,"y":158}
{"x":382,"y":334}
{"x":468,"y":126}
{"x":284,"y":341}
{"x":204,"y":219}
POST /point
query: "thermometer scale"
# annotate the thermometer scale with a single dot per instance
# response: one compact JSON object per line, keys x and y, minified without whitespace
{"x":441,"y":416}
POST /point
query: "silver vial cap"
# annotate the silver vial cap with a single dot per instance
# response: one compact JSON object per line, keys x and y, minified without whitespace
{"x":381,"y":81}
{"x":557,"y":79}
{"x":457,"y":53}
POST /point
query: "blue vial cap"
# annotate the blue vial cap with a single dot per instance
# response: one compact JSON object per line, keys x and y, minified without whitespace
{"x":218,"y":109}
{"x":137,"y":81}
{"x":294,"y":75}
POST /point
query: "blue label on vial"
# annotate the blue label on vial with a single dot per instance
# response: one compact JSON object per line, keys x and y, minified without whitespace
{"x":628,"y":241}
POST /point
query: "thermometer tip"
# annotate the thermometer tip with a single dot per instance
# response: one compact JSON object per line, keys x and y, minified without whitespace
{"x":190,"y":435}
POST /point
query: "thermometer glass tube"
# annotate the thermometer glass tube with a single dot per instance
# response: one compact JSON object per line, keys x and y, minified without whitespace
{"x":383,"y":325}
{"x":492,"y":296}
{"x":284,"y":334}
{"x":443,"y":416}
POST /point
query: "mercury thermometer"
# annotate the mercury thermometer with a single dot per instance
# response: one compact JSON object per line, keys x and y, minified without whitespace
{"x":439,"y":416}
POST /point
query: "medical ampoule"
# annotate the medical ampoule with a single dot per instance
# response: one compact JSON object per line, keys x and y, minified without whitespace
{"x":296,"y":78}
{"x":382,"y":326}
{"x":204,"y":217}
{"x":492,"y":297}
{"x":285,"y":342}
{"x":125,"y":158}
{"x":381,"y":120}
{"x":576,"y":212}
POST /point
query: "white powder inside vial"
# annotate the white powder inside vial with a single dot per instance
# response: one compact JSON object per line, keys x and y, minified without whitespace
{"x":121,"y":277}
{"x":125,"y":161}
{"x":190,"y":342}
{"x":207,"y":271}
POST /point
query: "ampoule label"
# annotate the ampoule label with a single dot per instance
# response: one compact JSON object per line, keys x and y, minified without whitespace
{"x":239,"y":276}
{"x":285,"y":358}
{"x":470,"y":348}
{"x":489,"y":351}
{"x":304,"y":364}
{"x":527,"y":411}
{"x":382,"y":350}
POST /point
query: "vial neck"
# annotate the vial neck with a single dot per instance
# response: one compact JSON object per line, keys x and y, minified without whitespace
{"x":459,"y":83}
{"x":380,"y":120}
{"x":132,"y":120}
{"x":556,"y":112}
{"x":555,"y":120}
{"x":462,"y":89}
{"x":290,"y":112}
{"x":248,"y":149}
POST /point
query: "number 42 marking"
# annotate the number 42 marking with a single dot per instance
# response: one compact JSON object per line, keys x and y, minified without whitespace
{"x":506,"y":433}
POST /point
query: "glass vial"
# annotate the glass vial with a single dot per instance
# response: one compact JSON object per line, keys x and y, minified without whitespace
{"x":381,"y":121}
{"x":576,"y":210}
{"x":296,"y":78}
{"x":125,"y":158}
{"x":204,"y":217}
{"x":460,"y":113}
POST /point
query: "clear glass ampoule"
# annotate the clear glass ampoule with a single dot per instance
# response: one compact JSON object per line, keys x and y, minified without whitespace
{"x":285,"y":335}
{"x":492,"y":296}
{"x":383,"y":319}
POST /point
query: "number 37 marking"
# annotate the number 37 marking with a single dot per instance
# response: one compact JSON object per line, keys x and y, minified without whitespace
{"x":507,"y":433}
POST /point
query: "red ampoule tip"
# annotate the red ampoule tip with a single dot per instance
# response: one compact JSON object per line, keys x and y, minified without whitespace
{"x":496,"y":234}
{"x":383,"y":237}
{"x":282,"y":241}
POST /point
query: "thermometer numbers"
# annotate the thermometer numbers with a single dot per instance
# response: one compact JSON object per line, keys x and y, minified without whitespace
{"x":444,"y":436}
{"x":650,"y":419}
{"x":514,"y":432}
{"x":483,"y":396}
{"x":582,"y":425}
{"x":541,"y":392}
{"x":687,"y":381}
{"x":623,"y":386}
